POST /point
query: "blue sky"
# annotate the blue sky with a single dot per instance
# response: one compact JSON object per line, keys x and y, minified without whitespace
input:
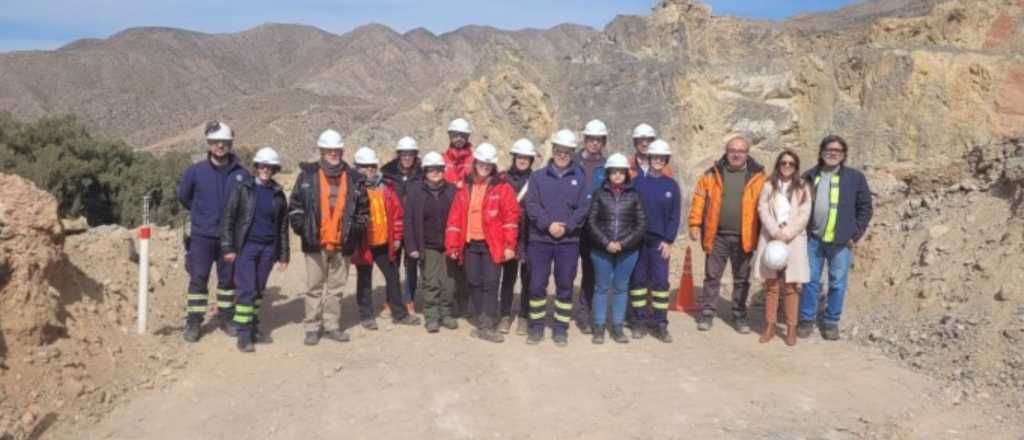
{"x":47,"y":24}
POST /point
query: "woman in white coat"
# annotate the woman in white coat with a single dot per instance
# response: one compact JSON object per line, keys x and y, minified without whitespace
{"x":784,"y":208}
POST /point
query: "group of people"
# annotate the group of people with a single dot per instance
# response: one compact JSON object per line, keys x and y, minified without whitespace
{"x":465,"y":232}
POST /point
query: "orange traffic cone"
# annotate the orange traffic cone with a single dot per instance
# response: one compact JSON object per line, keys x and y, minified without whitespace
{"x":684,"y":299}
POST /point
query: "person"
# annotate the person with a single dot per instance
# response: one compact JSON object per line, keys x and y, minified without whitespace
{"x":203,"y":191}
{"x":379,"y":245}
{"x":590,"y":158}
{"x":426,"y":220}
{"x":643,"y":136}
{"x":523,"y":155}
{"x":784,"y":208}
{"x":557,"y":204}
{"x":255,"y":239}
{"x":402,"y":172}
{"x":329,"y":210}
{"x":840,"y":214}
{"x":723,"y":215}
{"x":662,"y":201}
{"x":616,"y":223}
{"x":482,"y":234}
{"x":458,"y":159}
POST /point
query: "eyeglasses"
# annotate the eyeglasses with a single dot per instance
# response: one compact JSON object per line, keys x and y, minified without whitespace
{"x":222,"y":142}
{"x":787,"y":163}
{"x":834,"y":151}
{"x":735,"y":151}
{"x":562,"y":152}
{"x":457,"y":134}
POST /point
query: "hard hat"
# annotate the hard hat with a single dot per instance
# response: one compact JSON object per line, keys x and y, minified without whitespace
{"x":617,"y":160}
{"x":460,"y":126}
{"x":565,"y":138}
{"x":366,"y":156}
{"x":659,"y":148}
{"x":330,"y":140}
{"x":775,"y":255}
{"x":267,"y":156}
{"x":407,"y":144}
{"x":486,"y":153}
{"x":432,"y":159}
{"x":219,"y":131}
{"x":644,"y":131}
{"x":595,"y":128}
{"x":524,"y":147}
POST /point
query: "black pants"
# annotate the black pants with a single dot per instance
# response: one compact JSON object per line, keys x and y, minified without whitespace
{"x":509,"y":271}
{"x":482,"y":279}
{"x":364,"y":285}
{"x":587,"y":282}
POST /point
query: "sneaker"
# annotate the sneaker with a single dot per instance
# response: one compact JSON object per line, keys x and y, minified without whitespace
{"x":598,"y":337}
{"x":535,"y":336}
{"x":488,"y":334}
{"x":505,"y":325}
{"x":741,"y":325}
{"x":661,"y":333}
{"x":337,"y":335}
{"x":312,"y":338}
{"x":638,"y":331}
{"x":584,"y":326}
{"x":191,"y":333}
{"x":522,"y":327}
{"x":830,"y":332}
{"x":369,"y":324}
{"x":245,"y":345}
{"x":561,"y":339}
{"x":619,"y":334}
{"x":804,"y":329}
{"x":408,"y":320}
{"x":705,"y":321}
{"x":258,"y":337}
{"x":433,"y":326}
{"x":229,"y":328}
{"x":449,"y":323}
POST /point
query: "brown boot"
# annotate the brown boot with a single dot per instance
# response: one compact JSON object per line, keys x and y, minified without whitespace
{"x":791,"y":301}
{"x":771,"y":310}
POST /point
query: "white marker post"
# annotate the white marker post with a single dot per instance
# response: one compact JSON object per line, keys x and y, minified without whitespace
{"x":144,"y":233}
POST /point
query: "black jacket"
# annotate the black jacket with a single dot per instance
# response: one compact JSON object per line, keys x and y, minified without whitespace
{"x":413,"y":208}
{"x":392,"y":171}
{"x":305,"y":208}
{"x":518,"y":181}
{"x":618,"y":218}
{"x":238,"y":219}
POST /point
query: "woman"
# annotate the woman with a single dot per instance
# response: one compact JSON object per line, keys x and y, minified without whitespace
{"x":617,"y":223}
{"x":255,"y":237}
{"x":523,"y":155}
{"x":784,"y":208}
{"x":380,"y":245}
{"x":483,"y":232}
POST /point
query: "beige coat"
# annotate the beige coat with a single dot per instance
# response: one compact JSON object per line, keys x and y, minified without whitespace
{"x":798,"y":267}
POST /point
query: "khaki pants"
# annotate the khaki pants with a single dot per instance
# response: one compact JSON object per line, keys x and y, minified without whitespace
{"x":326,"y":274}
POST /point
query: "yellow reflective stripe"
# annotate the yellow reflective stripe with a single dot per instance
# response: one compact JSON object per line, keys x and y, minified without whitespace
{"x":538,"y":303}
{"x":225,"y":304}
{"x":658,"y":294}
{"x":243,"y":319}
{"x":537,"y":315}
{"x":196,"y":309}
{"x":659,"y":306}
{"x":833,"y":210}
{"x":638,"y":292}
{"x":196,"y":296}
{"x":640,"y":303}
{"x":563,"y":305}
{"x":244,"y":309}
{"x":226,"y":292}
{"x":562,"y":318}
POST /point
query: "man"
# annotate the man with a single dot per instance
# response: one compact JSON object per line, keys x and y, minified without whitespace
{"x":840,"y":214}
{"x":557,"y":203}
{"x":643,"y":136}
{"x":401,"y":172}
{"x":329,"y":210}
{"x":595,"y":137}
{"x":458,"y":160}
{"x":724,"y":213}
{"x":204,"y":191}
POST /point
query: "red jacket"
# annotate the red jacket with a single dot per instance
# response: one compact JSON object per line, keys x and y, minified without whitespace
{"x":458,"y":164}
{"x":393,"y":208}
{"x":500,"y":222}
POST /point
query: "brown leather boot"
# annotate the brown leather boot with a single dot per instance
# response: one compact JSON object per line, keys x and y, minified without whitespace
{"x":791,"y":301}
{"x":771,"y":309}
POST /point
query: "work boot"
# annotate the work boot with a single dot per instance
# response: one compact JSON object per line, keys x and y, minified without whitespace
{"x":830,"y":332}
{"x":312,"y":338}
{"x":408,"y":320}
{"x":258,"y":337}
{"x":191,"y":333}
{"x":505,"y":325}
{"x":561,"y":338}
{"x":229,"y":328}
{"x":741,"y":324}
{"x":584,"y":326}
{"x":449,"y":323}
{"x":433,"y":326}
{"x":535,"y":336}
{"x":522,"y":327}
{"x":791,"y":302}
{"x":805,"y":328}
{"x":771,"y":309}
{"x":705,"y":320}
{"x":369,"y":324}
{"x":660,"y":332}
{"x":245,"y":344}
{"x":598,"y":337}
{"x":489,"y":334}
{"x":619,"y":334}
{"x":337,"y":335}
{"x":639,"y":330}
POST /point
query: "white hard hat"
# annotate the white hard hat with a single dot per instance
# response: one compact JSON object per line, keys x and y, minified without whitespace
{"x":268,"y":156}
{"x":595,"y":128}
{"x":366,"y":156}
{"x":644,"y":131}
{"x":659,"y":148}
{"x":407,"y":144}
{"x":524,"y":147}
{"x":617,"y":160}
{"x":460,"y":126}
{"x":330,"y":140}
{"x":486,"y":153}
{"x":219,"y":131}
{"x":775,"y":255}
{"x":432,"y":159}
{"x":565,"y":138}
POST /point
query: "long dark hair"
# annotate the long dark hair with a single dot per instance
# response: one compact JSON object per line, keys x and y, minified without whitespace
{"x":824,"y":144}
{"x":795,"y":182}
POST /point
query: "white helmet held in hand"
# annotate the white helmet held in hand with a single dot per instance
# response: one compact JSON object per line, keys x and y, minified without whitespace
{"x":564,"y":138}
{"x":617,"y":160}
{"x":432,"y":159}
{"x":486,"y":153}
{"x":330,"y":140}
{"x":775,"y":255}
{"x":366,"y":156}
{"x":524,"y":147}
{"x":659,"y":148}
{"x":595,"y":128}
{"x":459,"y":126}
{"x":219,"y":131}
{"x":267,"y":156}
{"x":644,"y":131}
{"x":407,"y":144}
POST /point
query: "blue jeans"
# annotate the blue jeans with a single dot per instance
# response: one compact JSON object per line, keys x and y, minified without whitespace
{"x":837,"y":257}
{"x":612,"y":273}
